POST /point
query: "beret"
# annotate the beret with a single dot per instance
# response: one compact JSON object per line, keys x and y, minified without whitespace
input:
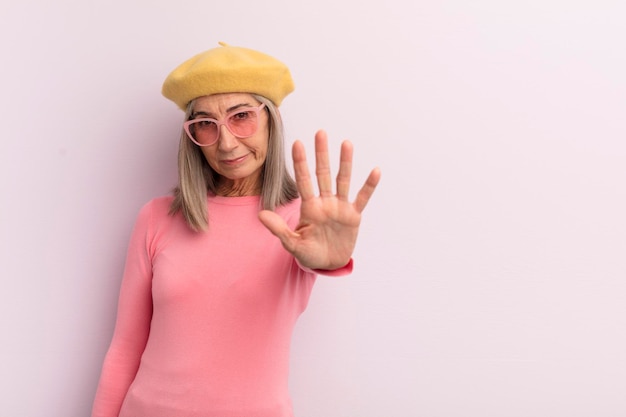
{"x":228,"y":69}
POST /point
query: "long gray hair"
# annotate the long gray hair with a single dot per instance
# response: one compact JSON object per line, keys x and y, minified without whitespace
{"x":196,"y":178}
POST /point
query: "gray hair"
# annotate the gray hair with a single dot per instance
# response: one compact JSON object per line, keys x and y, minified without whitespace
{"x":196,"y":178}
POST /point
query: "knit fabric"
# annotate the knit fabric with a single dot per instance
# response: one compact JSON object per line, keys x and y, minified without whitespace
{"x":228,"y":69}
{"x":205,"y":319}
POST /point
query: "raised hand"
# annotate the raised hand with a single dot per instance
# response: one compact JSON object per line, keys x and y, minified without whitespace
{"x":329,"y":224}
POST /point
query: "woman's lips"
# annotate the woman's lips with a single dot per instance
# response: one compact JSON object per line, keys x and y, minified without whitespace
{"x":234,"y":161}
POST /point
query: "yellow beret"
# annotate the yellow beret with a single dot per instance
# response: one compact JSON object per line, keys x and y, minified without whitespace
{"x":228,"y":69}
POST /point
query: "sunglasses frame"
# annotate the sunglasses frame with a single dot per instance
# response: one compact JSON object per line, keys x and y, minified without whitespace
{"x":222,"y":122}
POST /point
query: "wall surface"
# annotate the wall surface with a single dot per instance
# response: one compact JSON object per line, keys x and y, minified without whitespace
{"x":490,"y":274}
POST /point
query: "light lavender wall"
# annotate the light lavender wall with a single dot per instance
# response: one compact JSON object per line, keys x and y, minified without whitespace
{"x":490,"y":276}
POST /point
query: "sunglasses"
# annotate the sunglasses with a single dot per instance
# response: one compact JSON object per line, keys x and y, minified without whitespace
{"x":242,"y":122}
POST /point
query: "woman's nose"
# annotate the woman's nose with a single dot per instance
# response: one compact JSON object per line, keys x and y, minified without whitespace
{"x":227,"y":141}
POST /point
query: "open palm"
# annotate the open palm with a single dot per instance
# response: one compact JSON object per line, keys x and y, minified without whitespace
{"x":326,"y":234}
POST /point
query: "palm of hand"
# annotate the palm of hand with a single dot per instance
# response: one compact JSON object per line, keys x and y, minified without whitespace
{"x":326,"y":234}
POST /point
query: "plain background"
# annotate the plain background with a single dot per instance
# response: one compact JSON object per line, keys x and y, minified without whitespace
{"x":490,"y":274}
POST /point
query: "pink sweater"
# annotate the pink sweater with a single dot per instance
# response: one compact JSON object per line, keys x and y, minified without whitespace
{"x":205,"y":319}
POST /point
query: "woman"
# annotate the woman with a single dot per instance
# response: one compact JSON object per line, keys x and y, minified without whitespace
{"x":210,"y":296}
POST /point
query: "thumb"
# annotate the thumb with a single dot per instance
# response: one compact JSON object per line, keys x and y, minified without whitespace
{"x":278,"y":227}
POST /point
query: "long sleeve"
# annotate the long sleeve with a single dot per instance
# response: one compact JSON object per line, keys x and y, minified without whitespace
{"x":132,"y":325}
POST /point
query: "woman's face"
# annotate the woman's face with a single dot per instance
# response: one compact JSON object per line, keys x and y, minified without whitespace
{"x":239,"y":161}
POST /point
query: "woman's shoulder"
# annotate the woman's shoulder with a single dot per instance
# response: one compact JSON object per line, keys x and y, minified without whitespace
{"x":155,"y":217}
{"x":157,"y":206}
{"x":155,"y":211}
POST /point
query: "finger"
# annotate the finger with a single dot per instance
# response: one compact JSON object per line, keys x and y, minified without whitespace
{"x":367,"y":190}
{"x":278,"y":227}
{"x":322,"y":165}
{"x":345,"y":171}
{"x":301,"y":171}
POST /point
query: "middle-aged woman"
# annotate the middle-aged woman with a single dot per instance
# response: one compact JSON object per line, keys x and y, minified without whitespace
{"x":210,"y":296}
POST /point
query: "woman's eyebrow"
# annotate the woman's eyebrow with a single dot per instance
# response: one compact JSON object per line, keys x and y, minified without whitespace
{"x":237,"y":106}
{"x":228,"y":110}
{"x":200,"y":113}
